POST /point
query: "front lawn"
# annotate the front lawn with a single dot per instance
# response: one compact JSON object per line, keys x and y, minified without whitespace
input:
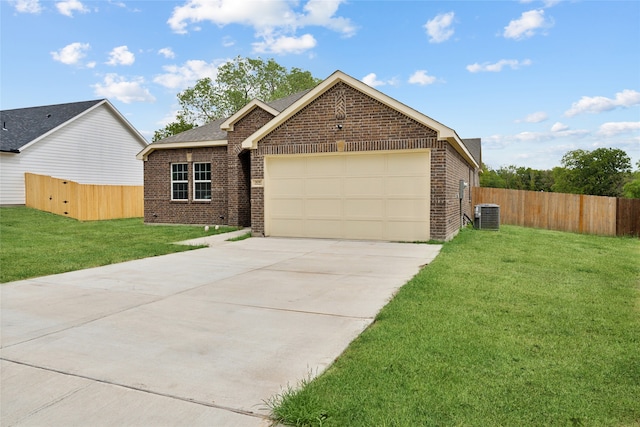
{"x":35,"y":243}
{"x":521,"y":327}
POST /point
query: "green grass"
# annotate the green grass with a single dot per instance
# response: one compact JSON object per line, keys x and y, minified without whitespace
{"x":521,"y":327}
{"x":239,"y":238}
{"x":35,"y":243}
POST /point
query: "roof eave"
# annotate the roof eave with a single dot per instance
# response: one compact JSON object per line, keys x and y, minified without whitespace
{"x":228,"y":124}
{"x":144,"y":154}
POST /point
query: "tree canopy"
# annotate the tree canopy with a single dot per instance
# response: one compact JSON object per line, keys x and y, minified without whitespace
{"x":236,"y":84}
{"x":601,"y":172}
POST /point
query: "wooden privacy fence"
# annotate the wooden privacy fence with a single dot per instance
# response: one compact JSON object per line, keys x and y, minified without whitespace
{"x":578,"y":213}
{"x":85,"y":202}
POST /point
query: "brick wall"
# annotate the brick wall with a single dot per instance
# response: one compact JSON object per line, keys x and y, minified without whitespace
{"x":158,"y":207}
{"x":367,"y":125}
{"x":239,"y":166}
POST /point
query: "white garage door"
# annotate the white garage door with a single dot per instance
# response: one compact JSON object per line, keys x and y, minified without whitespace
{"x":375,"y":196}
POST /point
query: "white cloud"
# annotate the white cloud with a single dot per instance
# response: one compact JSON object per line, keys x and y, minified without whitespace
{"x":180,"y":77}
{"x":127,"y":91}
{"x":598,"y":104}
{"x":27,"y":6}
{"x":514,"y":64}
{"x":167,"y":52}
{"x":527,"y":25}
{"x":121,"y":56}
{"x":559,"y":127}
{"x":72,"y":53}
{"x":371,"y":79}
{"x":284,"y":44}
{"x":615,"y":128}
{"x":274,"y":21}
{"x":439,"y":28}
{"x":69,"y":6}
{"x":537,"y":117}
{"x":421,"y":77}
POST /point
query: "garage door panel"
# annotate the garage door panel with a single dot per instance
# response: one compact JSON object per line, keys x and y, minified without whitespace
{"x":407,"y":186}
{"x":364,"y":208}
{"x":408,"y":163}
{"x":331,"y":187}
{"x":373,"y":195}
{"x":324,"y":166}
{"x":323,"y":228}
{"x":366,"y":230}
{"x":289,"y":208}
{"x":407,"y":209}
{"x":363,"y":186}
{"x":365,"y":165}
{"x":287,"y":187}
{"x":323,"y":208}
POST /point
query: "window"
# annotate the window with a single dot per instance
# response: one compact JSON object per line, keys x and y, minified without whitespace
{"x":179,"y":181}
{"x":202,"y":181}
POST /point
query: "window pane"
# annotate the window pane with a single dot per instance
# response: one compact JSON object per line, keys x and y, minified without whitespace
{"x":180,"y":190}
{"x":203,"y":190}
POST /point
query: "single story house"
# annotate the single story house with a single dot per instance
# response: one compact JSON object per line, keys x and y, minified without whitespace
{"x":341,"y":160}
{"x":89,"y":142}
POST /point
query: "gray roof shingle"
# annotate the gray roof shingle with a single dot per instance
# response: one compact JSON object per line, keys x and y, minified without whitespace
{"x":22,"y":125}
{"x":474,"y":145}
{"x":211,"y":131}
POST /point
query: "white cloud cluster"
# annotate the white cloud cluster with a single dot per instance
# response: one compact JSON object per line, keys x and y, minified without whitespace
{"x":127,"y":91}
{"x":180,"y":77}
{"x":527,"y":25}
{"x":371,"y":79}
{"x":598,"y":104}
{"x":514,"y":64}
{"x":285,"y":44}
{"x":27,"y":6}
{"x":274,"y":21}
{"x":121,"y":56}
{"x":167,"y":52}
{"x":616,"y":128}
{"x":421,"y":78}
{"x":68,"y":7}
{"x":537,"y":117}
{"x":439,"y":28}
{"x":72,"y":53}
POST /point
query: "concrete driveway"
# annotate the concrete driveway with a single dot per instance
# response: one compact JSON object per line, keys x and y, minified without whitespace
{"x":196,"y":338}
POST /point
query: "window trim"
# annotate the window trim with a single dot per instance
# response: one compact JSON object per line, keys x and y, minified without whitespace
{"x":181,"y":181}
{"x":200,"y":181}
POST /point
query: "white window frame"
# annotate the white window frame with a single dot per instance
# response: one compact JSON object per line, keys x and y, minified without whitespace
{"x":197,"y":181}
{"x":185,"y":173}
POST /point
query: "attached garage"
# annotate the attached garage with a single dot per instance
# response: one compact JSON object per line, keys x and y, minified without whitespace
{"x":362,"y":195}
{"x":340,"y":161}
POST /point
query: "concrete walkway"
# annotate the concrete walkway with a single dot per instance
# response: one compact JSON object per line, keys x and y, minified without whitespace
{"x":203,"y":337}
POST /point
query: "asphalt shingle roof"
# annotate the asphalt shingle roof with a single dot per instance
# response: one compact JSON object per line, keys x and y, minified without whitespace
{"x":211,"y":131}
{"x":474,"y":145}
{"x":22,"y":125}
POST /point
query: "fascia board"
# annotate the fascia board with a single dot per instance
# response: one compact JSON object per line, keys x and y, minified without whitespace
{"x":227,"y":125}
{"x":144,"y":154}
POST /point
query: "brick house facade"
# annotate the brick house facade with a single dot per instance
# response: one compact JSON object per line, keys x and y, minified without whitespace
{"x":341,"y":115}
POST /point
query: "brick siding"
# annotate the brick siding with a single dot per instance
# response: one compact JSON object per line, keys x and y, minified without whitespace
{"x":158,"y":206}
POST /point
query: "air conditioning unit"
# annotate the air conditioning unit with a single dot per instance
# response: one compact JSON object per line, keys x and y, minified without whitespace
{"x":487,"y":217}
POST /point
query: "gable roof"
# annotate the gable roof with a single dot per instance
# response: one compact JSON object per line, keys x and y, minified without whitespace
{"x":474,"y":145}
{"x":214,"y":133}
{"x":22,"y":127}
{"x":443,"y":131}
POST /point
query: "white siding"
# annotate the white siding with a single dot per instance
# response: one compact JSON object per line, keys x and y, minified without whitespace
{"x":96,"y":148}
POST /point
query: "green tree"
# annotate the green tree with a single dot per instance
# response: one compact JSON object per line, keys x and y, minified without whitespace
{"x":601,"y":172}
{"x":180,"y":125}
{"x":236,"y":84}
{"x":516,"y":178}
{"x":631,"y":189}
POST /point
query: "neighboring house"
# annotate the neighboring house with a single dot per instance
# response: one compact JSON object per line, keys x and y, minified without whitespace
{"x":88,"y":142}
{"x":341,"y":160}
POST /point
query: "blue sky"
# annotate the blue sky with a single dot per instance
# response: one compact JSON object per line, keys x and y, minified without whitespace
{"x":533,"y":79}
